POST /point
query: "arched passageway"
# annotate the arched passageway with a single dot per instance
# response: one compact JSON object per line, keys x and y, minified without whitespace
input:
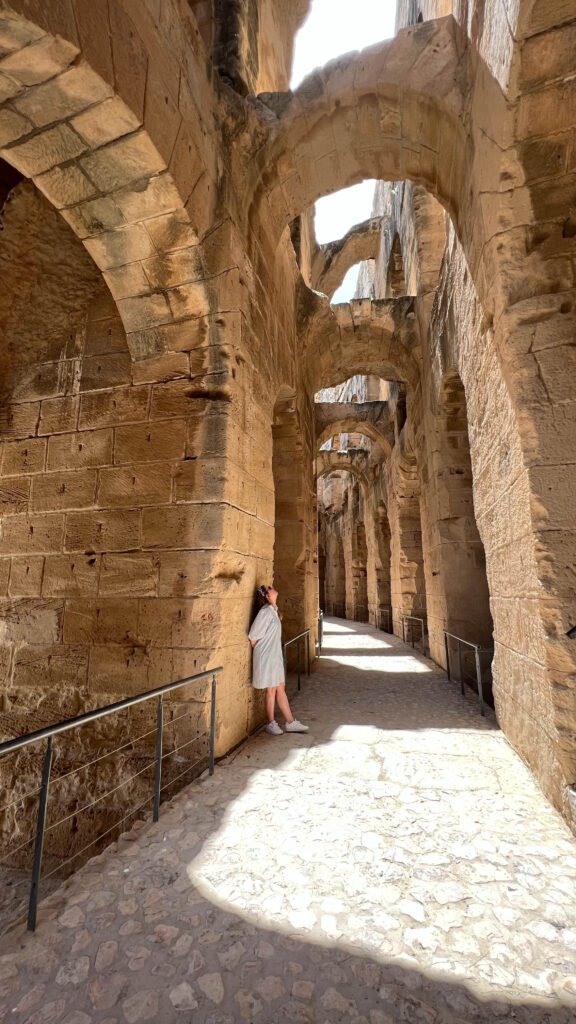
{"x":458,"y":596}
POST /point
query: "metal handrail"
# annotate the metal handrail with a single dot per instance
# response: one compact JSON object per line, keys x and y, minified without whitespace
{"x":478,"y":650}
{"x":320,"y":629}
{"x":411,"y":619}
{"x":296,"y":640}
{"x":48,"y":733}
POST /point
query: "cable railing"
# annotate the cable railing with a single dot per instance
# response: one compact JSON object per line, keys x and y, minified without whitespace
{"x":479,"y":651}
{"x":382,"y":615}
{"x":90,"y":800}
{"x":304,"y":636}
{"x":360,"y":613}
{"x":336,"y":609}
{"x":411,"y":619}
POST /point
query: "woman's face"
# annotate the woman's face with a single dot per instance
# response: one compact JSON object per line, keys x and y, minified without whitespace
{"x":271,"y":595}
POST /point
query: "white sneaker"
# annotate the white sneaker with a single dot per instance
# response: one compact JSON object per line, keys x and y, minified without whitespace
{"x":295,"y":726}
{"x":273,"y":728}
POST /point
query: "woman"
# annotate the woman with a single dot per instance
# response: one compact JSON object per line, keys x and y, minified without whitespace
{"x":268,"y":665}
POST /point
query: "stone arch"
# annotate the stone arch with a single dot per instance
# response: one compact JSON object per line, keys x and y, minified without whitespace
{"x":457,"y":581}
{"x":354,"y":425}
{"x":364,"y":336}
{"x":331,"y":461}
{"x":65,"y":128}
{"x":391,"y":115}
{"x":395,"y":276}
{"x":332,"y":260}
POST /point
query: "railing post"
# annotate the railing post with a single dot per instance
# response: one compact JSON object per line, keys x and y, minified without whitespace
{"x":412,"y":633}
{"x":479,"y":679}
{"x":403,"y":630}
{"x":212,"y":723}
{"x":460,"y":668}
{"x":446,"y":648}
{"x":308,"y":650}
{"x":158,"y":772}
{"x":39,"y":845}
{"x":298,"y":650}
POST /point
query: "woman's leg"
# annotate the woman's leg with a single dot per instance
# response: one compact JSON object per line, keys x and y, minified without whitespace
{"x":282,"y":701}
{"x":270,"y":699}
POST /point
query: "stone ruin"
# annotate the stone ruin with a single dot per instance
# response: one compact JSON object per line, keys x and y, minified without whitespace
{"x":166,"y":325}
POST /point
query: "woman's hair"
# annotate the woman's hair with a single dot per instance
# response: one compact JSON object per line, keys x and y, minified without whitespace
{"x":260,"y":600}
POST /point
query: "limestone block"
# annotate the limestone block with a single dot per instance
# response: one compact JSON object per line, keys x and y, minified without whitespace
{"x":44,"y":381}
{"x":20,"y":457}
{"x":124,"y":245}
{"x":49,"y":148}
{"x":19,"y":420}
{"x":105,"y":371}
{"x":102,"y":531}
{"x":30,"y":534}
{"x":189,"y":573}
{"x":123,"y":670}
{"x":171,"y":231}
{"x":135,"y":486}
{"x":4,"y":577}
{"x":93,"y":29}
{"x":58,"y":415}
{"x":162,"y":118}
{"x":125,"y":405}
{"x":552,"y":106}
{"x":26,"y":576}
{"x":9,"y":88}
{"x":178,"y":398}
{"x":71,"y":575}
{"x":78,"y":451}
{"x":128,"y":281}
{"x":120,"y":163}
{"x":14,"y":495}
{"x":156,"y":200}
{"x":97,"y":622}
{"x":165,"y":367}
{"x":63,"y":96}
{"x":186,"y":164}
{"x":174,"y":268}
{"x":144,"y":311}
{"x":134,"y":573}
{"x":197,"y":526}
{"x":21,"y":620}
{"x":105,"y":123}
{"x":12,"y":126}
{"x":129,"y":58}
{"x":150,"y":442}
{"x":41,"y":667}
{"x":104,"y":336}
{"x":54,"y":491}
{"x":65,"y":186}
{"x":44,"y":58}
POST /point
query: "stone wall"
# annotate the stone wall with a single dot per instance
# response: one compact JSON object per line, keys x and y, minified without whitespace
{"x":160,"y":442}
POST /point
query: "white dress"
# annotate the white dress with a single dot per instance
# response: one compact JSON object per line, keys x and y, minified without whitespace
{"x":267,"y":661}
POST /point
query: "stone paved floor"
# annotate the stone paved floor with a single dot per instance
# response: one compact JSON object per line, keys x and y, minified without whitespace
{"x":397,"y":864}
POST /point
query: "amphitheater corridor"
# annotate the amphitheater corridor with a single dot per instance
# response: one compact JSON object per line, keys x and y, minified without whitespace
{"x":398,"y":863}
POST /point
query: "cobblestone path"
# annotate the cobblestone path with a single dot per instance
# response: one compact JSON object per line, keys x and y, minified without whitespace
{"x":396,"y":864}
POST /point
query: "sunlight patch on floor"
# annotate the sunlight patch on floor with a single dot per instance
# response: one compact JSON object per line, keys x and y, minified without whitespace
{"x":378,"y":663}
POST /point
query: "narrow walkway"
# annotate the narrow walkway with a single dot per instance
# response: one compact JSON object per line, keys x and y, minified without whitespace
{"x":396,"y":864}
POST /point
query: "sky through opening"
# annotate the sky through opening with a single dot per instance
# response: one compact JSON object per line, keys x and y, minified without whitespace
{"x":335,"y":27}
